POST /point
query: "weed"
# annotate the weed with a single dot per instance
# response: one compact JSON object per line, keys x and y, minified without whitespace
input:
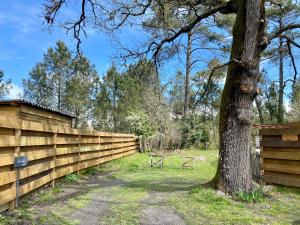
{"x":70,"y":178}
{"x":253,"y":196}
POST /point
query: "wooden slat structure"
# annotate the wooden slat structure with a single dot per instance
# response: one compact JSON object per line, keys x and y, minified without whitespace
{"x":280,"y":156}
{"x":53,"y":149}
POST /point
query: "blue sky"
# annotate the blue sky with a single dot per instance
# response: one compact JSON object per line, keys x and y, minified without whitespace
{"x":23,"y":41}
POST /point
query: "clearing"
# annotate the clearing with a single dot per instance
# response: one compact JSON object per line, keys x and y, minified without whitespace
{"x":128,"y":191}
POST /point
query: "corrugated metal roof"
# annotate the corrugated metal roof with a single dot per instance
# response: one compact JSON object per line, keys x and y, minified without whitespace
{"x":24,"y":102}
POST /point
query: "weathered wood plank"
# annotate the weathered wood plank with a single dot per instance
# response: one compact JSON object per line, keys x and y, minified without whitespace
{"x":115,"y":140}
{"x":293,"y":169}
{"x":38,"y":154}
{"x":271,"y":143}
{"x":66,"y":150}
{"x":36,"y":184}
{"x":281,"y":155}
{"x":7,"y":196}
{"x":33,"y":140}
{"x":7,"y":177}
{"x":290,"y":137}
{"x":7,"y":141}
{"x":116,"y":145}
{"x":7,"y":159}
{"x":66,"y":160}
{"x":282,"y":179}
{"x":9,"y":122}
{"x":67,"y":140}
{"x":35,"y":169}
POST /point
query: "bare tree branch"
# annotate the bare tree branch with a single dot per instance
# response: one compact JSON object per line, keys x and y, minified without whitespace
{"x":280,"y":31}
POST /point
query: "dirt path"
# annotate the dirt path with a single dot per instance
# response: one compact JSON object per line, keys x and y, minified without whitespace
{"x":99,"y":199}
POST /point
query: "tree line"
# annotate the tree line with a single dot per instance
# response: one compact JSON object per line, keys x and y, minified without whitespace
{"x":229,"y":39}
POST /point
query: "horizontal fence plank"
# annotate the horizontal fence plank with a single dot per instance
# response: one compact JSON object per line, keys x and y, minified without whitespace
{"x":7,"y":177}
{"x":7,"y":159}
{"x":293,"y":169}
{"x":65,"y":140}
{"x":281,"y":155}
{"x":9,"y":122}
{"x":36,"y":184}
{"x":114,"y":140}
{"x":66,"y":150}
{"x":66,"y":160}
{"x":33,"y":140}
{"x":8,"y":140}
{"x":38,"y":154}
{"x":280,"y":144}
{"x":116,"y":145}
{"x":74,"y":150}
{"x":7,"y":195}
{"x":35,"y":169}
{"x":282,"y":179}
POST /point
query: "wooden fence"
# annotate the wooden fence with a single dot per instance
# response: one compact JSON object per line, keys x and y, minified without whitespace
{"x":281,"y":155}
{"x":53,"y":151}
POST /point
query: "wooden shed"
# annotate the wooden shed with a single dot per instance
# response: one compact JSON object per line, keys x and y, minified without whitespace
{"x":27,"y":111}
{"x":281,"y":154}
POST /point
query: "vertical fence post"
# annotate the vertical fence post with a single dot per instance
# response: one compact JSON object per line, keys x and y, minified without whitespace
{"x":99,"y":149}
{"x":79,"y":149}
{"x":54,"y":157}
{"x":12,"y":204}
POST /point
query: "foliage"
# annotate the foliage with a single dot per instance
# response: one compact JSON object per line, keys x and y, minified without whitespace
{"x":140,"y":124}
{"x":80,"y":89}
{"x":254,"y":196}
{"x":63,"y":83}
{"x":137,"y":187}
{"x":4,"y":85}
{"x":70,"y":178}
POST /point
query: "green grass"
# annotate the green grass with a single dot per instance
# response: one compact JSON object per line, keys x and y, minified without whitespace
{"x":137,"y":184}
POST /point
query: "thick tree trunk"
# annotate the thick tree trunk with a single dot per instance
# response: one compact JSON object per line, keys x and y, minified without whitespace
{"x":281,"y":82}
{"x":187,"y":76}
{"x":234,"y":170}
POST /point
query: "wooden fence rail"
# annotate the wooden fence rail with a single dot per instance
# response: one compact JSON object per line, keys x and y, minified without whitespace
{"x":52,"y":151}
{"x":281,"y":155}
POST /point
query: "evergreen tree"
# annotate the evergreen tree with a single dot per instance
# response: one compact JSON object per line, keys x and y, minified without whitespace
{"x":37,"y":88}
{"x":80,"y":89}
{"x":58,"y":62}
{"x":4,"y":85}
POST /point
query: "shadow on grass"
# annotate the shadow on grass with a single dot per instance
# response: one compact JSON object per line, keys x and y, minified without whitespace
{"x":165,"y":184}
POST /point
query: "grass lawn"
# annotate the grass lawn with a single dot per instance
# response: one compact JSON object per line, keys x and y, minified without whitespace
{"x":132,"y":192}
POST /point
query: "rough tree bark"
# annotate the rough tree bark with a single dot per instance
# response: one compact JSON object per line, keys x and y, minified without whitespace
{"x":281,"y":82}
{"x":259,"y":110}
{"x":187,"y":75}
{"x":240,"y":90}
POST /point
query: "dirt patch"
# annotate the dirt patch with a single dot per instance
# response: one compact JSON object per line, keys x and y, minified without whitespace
{"x":90,"y":214}
{"x":161,"y":216}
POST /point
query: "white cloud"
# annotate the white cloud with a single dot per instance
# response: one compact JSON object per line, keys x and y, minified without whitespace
{"x":16,"y":92}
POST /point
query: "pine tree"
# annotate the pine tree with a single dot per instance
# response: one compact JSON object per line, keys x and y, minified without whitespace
{"x":58,"y":62}
{"x":37,"y":88}
{"x":79,"y":91}
{"x":4,"y":85}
